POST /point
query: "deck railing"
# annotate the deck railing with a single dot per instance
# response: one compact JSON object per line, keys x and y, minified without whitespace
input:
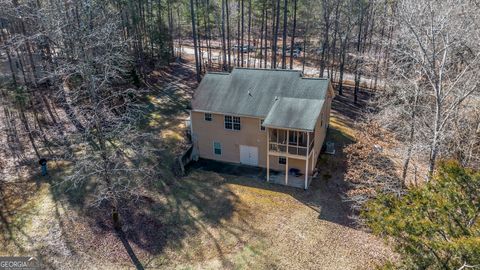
{"x":293,"y":149}
{"x":278,"y":147}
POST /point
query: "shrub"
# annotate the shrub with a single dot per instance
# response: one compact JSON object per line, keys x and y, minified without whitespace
{"x":436,"y":226}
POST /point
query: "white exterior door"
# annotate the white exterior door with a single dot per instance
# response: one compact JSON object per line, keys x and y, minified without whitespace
{"x":249,"y":155}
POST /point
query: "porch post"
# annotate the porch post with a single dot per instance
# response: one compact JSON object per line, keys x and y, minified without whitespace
{"x":306,"y":161}
{"x":286,"y":157}
{"x":313,"y":158}
{"x":268,"y":154}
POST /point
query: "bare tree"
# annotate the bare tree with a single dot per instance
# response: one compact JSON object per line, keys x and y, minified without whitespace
{"x":433,"y":80}
{"x":111,"y":150}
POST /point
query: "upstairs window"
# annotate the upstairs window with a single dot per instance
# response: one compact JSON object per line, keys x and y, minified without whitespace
{"x":228,"y":122}
{"x":236,"y":123}
{"x":262,"y":128}
{"x":232,"y":122}
{"x":208,"y":117}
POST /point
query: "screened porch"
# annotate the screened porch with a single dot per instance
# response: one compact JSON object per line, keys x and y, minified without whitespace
{"x":298,"y":143}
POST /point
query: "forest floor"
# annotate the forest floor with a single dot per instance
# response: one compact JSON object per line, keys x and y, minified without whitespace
{"x":205,"y":220}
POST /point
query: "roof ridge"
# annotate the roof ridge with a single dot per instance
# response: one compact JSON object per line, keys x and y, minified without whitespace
{"x":218,"y":73}
{"x":279,"y":97}
{"x":317,"y":79}
{"x":269,"y":69}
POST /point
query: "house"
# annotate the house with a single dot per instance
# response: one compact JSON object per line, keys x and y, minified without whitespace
{"x":275,"y":119}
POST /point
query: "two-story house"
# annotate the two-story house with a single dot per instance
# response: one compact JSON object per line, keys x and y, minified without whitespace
{"x":275,"y":119}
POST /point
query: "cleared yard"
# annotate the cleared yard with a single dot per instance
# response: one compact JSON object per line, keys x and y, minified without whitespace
{"x":280,"y":227}
{"x":206,"y":221}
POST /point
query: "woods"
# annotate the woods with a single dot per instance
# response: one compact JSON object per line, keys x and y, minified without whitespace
{"x":272,"y":35}
{"x":434,"y":82}
{"x":79,"y":79}
{"x":42,"y":55}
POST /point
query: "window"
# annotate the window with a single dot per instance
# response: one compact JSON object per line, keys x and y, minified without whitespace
{"x":232,"y":122}
{"x":236,"y":123}
{"x":208,"y":117}
{"x":262,"y":128}
{"x":217,"y":148}
{"x":282,"y":160}
{"x":228,"y":122}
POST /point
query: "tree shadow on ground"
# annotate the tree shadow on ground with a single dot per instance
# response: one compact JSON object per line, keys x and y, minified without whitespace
{"x":12,"y":198}
{"x":159,"y":217}
{"x":162,"y":213}
{"x":321,"y":196}
{"x":167,"y":104}
{"x":170,"y":93}
{"x":18,"y":203}
{"x":128,"y":248}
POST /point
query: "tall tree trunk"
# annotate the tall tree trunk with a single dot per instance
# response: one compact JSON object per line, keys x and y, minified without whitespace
{"x":343,"y":53}
{"x":379,"y":48}
{"x":262,"y":34}
{"x":358,"y":56}
{"x":224,"y":56}
{"x":206,"y":23}
{"x":243,"y":29}
{"x":284,"y":34}
{"x":388,"y":49}
{"x":326,"y":32}
{"x":305,"y":47}
{"x":238,"y":32}
{"x":275,"y":36}
{"x":170,"y":28}
{"x":229,"y":47}
{"x":334,"y":43}
{"x":194,"y":35}
{"x":199,"y":40}
{"x":249,"y":31}
{"x":266,"y":38}
{"x":292,"y":43}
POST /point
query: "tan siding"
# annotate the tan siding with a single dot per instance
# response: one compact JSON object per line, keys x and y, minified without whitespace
{"x":321,"y":128}
{"x":274,"y":165}
{"x":205,"y":133}
{"x":297,"y":164}
{"x":319,"y":134}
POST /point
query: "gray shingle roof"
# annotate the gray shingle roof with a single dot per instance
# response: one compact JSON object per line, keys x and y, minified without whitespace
{"x":252,"y":92}
{"x":294,"y":113}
